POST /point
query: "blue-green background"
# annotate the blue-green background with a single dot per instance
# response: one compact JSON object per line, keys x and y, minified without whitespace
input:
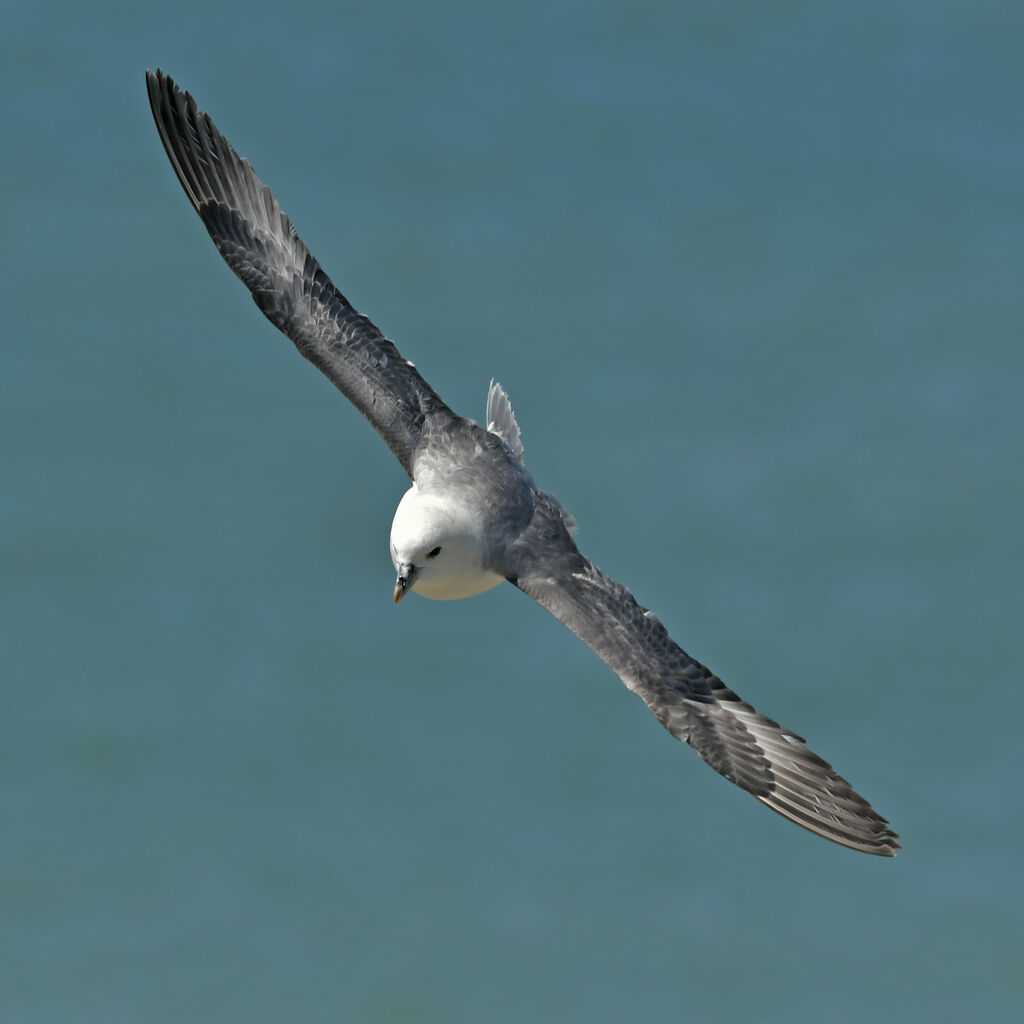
{"x":751,"y":274}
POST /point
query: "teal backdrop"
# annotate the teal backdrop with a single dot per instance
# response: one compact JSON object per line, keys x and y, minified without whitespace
{"x":751,"y":274}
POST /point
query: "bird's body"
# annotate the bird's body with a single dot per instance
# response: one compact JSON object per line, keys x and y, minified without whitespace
{"x":474,"y":516}
{"x":470,"y":491}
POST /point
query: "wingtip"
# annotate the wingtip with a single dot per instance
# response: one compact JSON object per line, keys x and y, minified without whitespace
{"x":867,"y":833}
{"x":160,"y":84}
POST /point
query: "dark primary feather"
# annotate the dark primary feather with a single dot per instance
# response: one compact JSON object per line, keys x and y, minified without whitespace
{"x":755,"y":752}
{"x":260,"y":244}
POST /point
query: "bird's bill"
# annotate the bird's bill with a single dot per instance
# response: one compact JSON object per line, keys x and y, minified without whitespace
{"x":406,"y":576}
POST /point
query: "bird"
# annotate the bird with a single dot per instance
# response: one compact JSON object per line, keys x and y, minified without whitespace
{"x":473,"y":517}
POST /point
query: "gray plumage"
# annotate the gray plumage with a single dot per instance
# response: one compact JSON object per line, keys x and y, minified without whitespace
{"x":472,"y":491}
{"x":501,"y":420}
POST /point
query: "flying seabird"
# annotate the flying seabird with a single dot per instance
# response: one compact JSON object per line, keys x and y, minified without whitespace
{"x":473,"y":516}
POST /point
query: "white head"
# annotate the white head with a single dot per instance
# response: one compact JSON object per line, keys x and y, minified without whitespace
{"x":437,"y":549}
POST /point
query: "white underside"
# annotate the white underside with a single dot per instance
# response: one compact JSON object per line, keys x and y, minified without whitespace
{"x":452,"y":588}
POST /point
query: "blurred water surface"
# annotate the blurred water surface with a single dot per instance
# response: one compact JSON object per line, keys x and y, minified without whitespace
{"x":752,"y":280}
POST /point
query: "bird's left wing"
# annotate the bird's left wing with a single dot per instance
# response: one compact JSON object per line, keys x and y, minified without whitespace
{"x":260,"y":244}
{"x":749,"y":749}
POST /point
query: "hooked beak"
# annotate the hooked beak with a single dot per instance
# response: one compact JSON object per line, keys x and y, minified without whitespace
{"x":406,"y":576}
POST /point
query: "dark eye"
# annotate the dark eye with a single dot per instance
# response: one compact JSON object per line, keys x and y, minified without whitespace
{"x":435,"y":552}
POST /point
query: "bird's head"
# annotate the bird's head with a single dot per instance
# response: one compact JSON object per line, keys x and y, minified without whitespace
{"x":437,"y":550}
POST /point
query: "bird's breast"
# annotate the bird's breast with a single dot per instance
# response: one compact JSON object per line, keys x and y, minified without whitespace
{"x":455,"y":587}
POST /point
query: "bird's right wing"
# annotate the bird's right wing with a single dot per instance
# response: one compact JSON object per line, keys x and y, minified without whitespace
{"x":749,"y":749}
{"x":260,"y":244}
